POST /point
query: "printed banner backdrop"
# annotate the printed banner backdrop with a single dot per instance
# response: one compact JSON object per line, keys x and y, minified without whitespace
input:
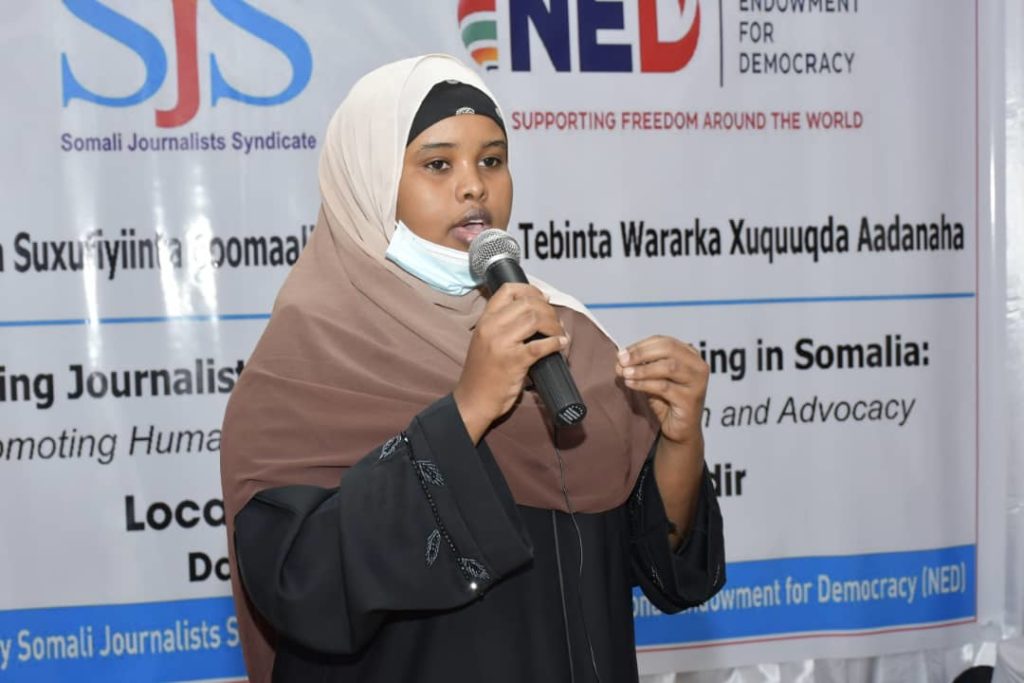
{"x":800,"y":188}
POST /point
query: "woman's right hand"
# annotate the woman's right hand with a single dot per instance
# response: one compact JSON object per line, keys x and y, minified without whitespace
{"x":499,"y":354}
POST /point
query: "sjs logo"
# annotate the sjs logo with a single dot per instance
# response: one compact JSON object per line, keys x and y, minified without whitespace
{"x":148,"y":48}
{"x":549,"y":20}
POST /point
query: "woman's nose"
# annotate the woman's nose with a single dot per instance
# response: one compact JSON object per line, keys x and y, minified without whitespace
{"x":471,"y":184}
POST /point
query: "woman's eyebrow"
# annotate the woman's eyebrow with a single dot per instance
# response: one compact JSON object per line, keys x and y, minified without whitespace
{"x":430,"y":146}
{"x":436,"y":145}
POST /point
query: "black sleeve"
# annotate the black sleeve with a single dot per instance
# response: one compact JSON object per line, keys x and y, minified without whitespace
{"x":425,"y":522}
{"x":695,"y":571}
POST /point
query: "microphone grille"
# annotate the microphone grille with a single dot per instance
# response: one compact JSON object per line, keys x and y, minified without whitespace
{"x":489,"y":246}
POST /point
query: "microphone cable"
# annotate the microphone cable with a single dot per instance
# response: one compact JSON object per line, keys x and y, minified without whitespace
{"x":579,"y":585}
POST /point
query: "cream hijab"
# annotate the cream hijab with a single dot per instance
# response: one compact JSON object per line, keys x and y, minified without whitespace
{"x":356,"y":347}
{"x":361,"y":165}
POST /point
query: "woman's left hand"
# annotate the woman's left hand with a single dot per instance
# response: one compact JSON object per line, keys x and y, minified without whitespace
{"x":675,"y":379}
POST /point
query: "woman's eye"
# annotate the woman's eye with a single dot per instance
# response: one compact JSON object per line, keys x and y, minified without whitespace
{"x":437,"y":165}
{"x":492,"y":162}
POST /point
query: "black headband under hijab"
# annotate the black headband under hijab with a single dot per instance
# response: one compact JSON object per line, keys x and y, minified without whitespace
{"x":452,"y":98}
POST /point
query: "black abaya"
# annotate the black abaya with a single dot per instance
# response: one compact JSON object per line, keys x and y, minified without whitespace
{"x":421,"y":567}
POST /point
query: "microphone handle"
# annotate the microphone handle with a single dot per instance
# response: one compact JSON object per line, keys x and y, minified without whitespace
{"x":557,"y":390}
{"x":502,"y":271}
{"x":550,"y":375}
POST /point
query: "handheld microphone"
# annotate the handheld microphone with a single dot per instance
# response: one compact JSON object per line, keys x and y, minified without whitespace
{"x":493,"y":261}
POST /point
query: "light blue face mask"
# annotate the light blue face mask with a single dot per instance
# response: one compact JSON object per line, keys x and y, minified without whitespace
{"x":443,"y":268}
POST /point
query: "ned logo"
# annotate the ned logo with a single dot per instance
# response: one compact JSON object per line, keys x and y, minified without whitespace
{"x":610,"y":36}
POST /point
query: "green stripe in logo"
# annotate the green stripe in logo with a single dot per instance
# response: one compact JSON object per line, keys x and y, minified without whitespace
{"x":479,"y":30}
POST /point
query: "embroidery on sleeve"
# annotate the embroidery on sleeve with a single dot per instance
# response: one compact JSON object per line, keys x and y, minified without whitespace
{"x":656,"y":579}
{"x":472,"y":571}
{"x":433,"y":546}
{"x":429,"y":472}
{"x":473,"y":568}
{"x":389,"y":447}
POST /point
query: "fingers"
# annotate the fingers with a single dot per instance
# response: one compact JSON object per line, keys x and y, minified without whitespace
{"x":655,"y":348}
{"x":663,"y":366}
{"x":673,"y":377}
{"x":660,"y":353}
{"x":544,"y":347}
{"x":532,"y":317}
{"x":662,"y":388}
{"x":498,"y":359}
{"x":514,"y":291}
{"x":522,"y":318}
{"x":520,"y":321}
{"x":673,"y":392}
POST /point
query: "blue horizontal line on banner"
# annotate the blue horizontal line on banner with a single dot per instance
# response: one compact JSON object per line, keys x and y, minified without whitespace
{"x":681,"y":303}
{"x":782,"y":300}
{"x":180,"y":640}
{"x":134,"y":320}
{"x":824,"y":594}
{"x":196,"y":639}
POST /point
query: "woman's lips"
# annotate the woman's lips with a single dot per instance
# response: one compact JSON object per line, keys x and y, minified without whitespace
{"x":474,"y":221}
{"x":465,"y":232}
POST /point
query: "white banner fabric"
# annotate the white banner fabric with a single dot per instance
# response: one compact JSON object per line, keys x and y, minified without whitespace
{"x":800,"y":188}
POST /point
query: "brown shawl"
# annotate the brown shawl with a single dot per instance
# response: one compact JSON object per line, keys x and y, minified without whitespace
{"x":356,"y":347}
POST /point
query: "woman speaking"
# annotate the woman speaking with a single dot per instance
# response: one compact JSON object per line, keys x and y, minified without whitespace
{"x":401,"y":507}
